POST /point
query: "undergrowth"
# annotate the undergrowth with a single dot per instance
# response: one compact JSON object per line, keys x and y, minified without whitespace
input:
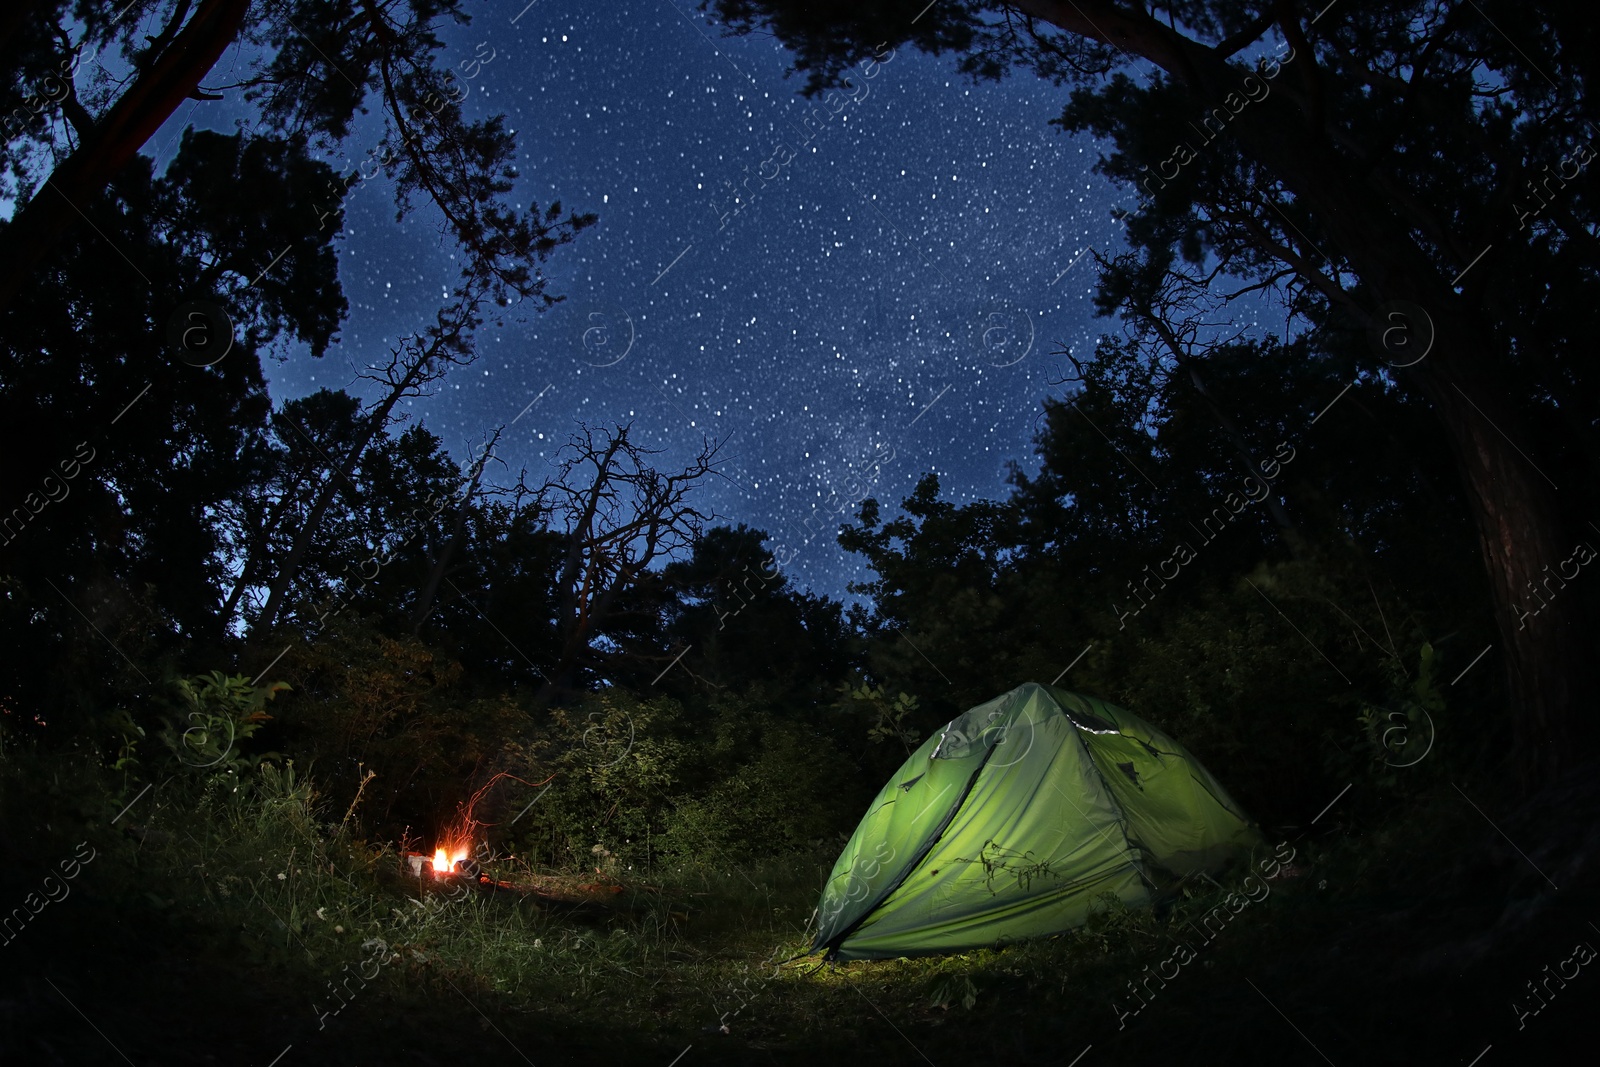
{"x":255,"y":865}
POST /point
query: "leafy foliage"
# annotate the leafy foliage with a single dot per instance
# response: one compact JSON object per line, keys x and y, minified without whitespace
{"x":653,"y":781}
{"x":216,"y":714}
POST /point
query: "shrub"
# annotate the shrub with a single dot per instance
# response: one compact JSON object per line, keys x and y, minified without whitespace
{"x":640,"y":781}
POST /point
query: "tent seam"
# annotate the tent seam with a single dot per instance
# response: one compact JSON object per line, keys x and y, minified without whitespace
{"x":1122,"y":818}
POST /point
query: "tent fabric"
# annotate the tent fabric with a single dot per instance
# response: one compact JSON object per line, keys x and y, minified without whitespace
{"x":1011,"y":821}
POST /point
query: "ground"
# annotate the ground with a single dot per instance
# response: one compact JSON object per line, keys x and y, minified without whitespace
{"x":1409,"y":942}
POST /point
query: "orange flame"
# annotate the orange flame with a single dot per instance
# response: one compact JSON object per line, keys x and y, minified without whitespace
{"x":444,"y":862}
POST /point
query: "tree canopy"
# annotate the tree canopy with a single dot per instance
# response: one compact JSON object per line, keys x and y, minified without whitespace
{"x":1318,"y":157}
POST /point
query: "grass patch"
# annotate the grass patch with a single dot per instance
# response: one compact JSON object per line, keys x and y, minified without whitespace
{"x":249,"y":870}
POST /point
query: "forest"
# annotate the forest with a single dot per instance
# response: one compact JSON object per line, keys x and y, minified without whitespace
{"x":323,"y":738}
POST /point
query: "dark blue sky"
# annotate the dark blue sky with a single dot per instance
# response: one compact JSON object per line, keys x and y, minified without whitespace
{"x":899,"y":283}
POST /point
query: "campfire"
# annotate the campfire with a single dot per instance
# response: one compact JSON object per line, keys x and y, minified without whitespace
{"x":453,"y":857}
{"x":444,"y":861}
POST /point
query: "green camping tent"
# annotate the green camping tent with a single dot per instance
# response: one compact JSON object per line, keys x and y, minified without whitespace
{"x":1009,"y":822}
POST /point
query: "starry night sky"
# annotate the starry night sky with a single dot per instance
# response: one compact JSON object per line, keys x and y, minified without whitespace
{"x":899,"y":284}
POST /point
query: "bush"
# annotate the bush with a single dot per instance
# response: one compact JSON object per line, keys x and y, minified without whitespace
{"x":638,"y":782}
{"x":1247,"y":689}
{"x":611,"y":763}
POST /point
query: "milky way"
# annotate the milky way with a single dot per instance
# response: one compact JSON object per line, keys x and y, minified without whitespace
{"x":847,"y":292}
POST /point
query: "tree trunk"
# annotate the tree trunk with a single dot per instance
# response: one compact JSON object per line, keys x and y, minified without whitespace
{"x":1520,"y":524}
{"x":290,"y":569}
{"x":442,"y":344}
{"x":35,"y":231}
{"x":324,"y":500}
{"x":574,"y":625}
{"x":1524,"y":540}
{"x":441,"y":566}
{"x":256,"y":550}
